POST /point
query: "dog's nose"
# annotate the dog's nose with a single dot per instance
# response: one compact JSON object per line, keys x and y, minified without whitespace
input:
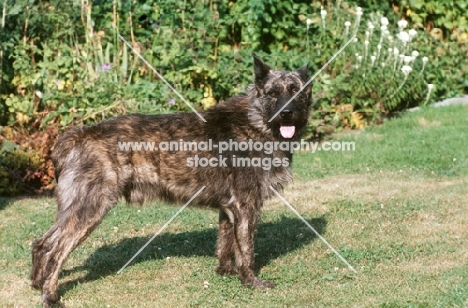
{"x":286,"y":113}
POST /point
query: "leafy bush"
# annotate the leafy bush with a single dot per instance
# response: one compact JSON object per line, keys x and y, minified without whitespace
{"x":25,"y":164}
{"x":74,"y":69}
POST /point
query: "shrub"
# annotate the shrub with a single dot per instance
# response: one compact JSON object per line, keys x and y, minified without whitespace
{"x":78,"y":71}
{"x":25,"y":164}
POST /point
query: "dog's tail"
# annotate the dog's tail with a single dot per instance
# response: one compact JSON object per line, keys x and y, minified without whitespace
{"x":65,"y":150}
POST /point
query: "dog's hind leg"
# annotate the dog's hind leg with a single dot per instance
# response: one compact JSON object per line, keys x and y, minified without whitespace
{"x":81,"y":207}
{"x":49,"y":254}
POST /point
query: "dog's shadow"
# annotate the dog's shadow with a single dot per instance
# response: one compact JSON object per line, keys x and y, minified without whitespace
{"x":272,"y":240}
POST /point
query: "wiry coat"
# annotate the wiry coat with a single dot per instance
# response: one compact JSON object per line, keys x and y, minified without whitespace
{"x":93,"y":173}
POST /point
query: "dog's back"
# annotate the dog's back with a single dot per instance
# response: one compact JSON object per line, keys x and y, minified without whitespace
{"x":113,"y":156}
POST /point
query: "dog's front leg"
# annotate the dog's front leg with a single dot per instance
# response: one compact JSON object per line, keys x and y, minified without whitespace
{"x":245,"y":222}
{"x":225,"y":247}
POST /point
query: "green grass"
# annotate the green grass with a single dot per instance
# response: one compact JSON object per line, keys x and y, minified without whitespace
{"x":430,"y":141}
{"x":395,"y":209}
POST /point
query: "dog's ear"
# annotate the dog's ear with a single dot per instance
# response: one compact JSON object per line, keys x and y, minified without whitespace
{"x":261,"y":70}
{"x":304,"y":72}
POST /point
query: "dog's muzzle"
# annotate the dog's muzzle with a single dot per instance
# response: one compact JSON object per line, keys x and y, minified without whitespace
{"x":285,"y":130}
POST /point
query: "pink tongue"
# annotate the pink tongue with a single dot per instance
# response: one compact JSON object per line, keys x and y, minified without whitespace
{"x":287,"y":131}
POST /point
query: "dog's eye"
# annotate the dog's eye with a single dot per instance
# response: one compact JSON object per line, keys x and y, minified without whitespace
{"x":272,"y":94}
{"x":293,"y":91}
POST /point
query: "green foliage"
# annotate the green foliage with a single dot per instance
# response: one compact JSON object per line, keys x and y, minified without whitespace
{"x":18,"y":159}
{"x":67,"y":64}
{"x":16,"y":165}
{"x":25,"y":164}
{"x":447,"y":42}
{"x":447,"y":16}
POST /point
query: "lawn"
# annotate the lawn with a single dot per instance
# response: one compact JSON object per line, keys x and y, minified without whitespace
{"x":395,"y":209}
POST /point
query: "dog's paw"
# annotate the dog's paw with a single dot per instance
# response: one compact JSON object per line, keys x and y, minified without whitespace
{"x":226,"y":270}
{"x":51,"y":301}
{"x":260,"y":284}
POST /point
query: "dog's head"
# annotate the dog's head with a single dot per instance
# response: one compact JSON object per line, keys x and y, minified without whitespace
{"x":282,"y":103}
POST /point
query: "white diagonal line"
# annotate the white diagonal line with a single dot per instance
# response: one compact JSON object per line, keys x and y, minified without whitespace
{"x":313,"y":77}
{"x":312,"y":228}
{"x":160,"y":230}
{"x":161,"y":77}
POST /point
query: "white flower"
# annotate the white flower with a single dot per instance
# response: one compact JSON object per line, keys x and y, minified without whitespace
{"x":406,"y":69}
{"x":404,"y":36}
{"x":379,"y":47}
{"x":402,"y":24}
{"x":358,"y":11}
{"x":425,"y":59}
{"x":383,"y":29}
{"x":430,"y":86}
{"x":308,"y":21}
{"x":366,"y":43}
{"x":38,"y":94}
{"x":412,"y":33}
{"x":384,"y":21}
{"x":414,"y":54}
{"x":407,"y":59}
{"x":372,"y":58}
{"x":355,"y":40}
{"x":370,"y":25}
{"x":347,"y":24}
{"x":323,"y":13}
{"x":396,"y":52}
{"x":359,"y":59}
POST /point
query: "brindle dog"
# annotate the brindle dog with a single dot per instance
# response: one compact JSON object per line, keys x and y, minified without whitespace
{"x":93,"y":172}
